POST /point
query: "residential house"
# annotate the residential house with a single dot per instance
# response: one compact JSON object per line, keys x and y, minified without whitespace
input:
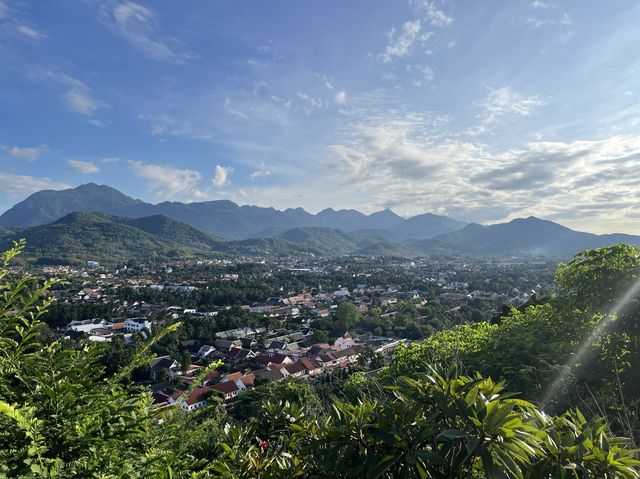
{"x":311,"y":367}
{"x":295,"y":370}
{"x":226,"y":344}
{"x":163,"y":363}
{"x":198,"y":398}
{"x":229,"y":389}
{"x":236,"y":355}
{"x":205,"y":351}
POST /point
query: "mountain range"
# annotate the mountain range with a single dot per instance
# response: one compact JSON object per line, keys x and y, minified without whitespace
{"x":100,"y":223}
{"x":223,"y":218}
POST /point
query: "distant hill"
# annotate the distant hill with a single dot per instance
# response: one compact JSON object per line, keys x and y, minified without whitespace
{"x":47,"y":205}
{"x":426,"y":226}
{"x":520,"y":237}
{"x":81,"y":236}
{"x":223,"y":218}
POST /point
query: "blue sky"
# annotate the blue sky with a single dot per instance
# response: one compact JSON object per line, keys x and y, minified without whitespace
{"x":481,"y":110}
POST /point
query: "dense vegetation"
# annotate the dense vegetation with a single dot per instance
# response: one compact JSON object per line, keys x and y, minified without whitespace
{"x":433,"y":413}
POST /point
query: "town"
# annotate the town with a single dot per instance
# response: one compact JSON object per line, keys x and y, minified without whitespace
{"x":258,"y":321}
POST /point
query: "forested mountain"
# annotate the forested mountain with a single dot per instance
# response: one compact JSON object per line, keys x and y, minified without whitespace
{"x":223,"y":218}
{"x":80,"y":236}
{"x":47,"y":205}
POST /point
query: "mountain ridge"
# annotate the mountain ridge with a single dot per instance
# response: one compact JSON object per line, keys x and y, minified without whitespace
{"x":220,"y":217}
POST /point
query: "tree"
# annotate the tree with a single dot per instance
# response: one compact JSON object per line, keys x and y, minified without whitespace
{"x":347,"y":315}
{"x":185,"y":360}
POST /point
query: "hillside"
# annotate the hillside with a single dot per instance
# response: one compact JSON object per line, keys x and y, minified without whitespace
{"x":80,"y":236}
{"x":520,"y":237}
{"x":426,"y":226}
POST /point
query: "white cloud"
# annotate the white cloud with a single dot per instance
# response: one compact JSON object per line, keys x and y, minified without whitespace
{"x":28,"y":153}
{"x":341,"y":97}
{"x":139,"y":25}
{"x":168,"y":182}
{"x":97,"y":123}
{"x":84,"y":167}
{"x":407,"y":163}
{"x":262,"y":172}
{"x":12,"y":20}
{"x":400,"y":44}
{"x":20,"y":186}
{"x":221,"y":176}
{"x":538,"y":4}
{"x":79,"y":100}
{"x":30,"y":32}
{"x":310,"y":100}
{"x":434,"y":15}
{"x":503,"y":103}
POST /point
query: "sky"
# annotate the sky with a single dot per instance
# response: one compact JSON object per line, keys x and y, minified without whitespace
{"x":480,"y":110}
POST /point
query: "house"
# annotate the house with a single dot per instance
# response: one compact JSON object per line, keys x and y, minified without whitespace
{"x":211,"y":377}
{"x":311,"y":367}
{"x":248,"y":343}
{"x":205,"y":351}
{"x":349,"y":355}
{"x":226,"y":344}
{"x":198,"y":398}
{"x":243,"y":381}
{"x":343,"y":343}
{"x":229,"y":389}
{"x":136,"y":325}
{"x":265,"y":359}
{"x":295,"y":370}
{"x":163,"y":363}
{"x":236,"y":355}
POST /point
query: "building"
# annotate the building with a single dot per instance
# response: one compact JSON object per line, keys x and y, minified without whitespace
{"x":136,"y":325}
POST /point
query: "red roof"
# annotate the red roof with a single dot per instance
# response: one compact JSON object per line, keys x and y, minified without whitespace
{"x":232,"y":376}
{"x":197,"y":395}
{"x":226,"y":387}
{"x":309,"y":364}
{"x":248,"y":380}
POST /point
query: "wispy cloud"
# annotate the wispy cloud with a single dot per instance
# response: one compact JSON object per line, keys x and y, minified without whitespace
{"x":79,"y":100}
{"x":312,"y":101}
{"x":538,"y":4}
{"x":431,"y":12}
{"x":502,"y":104}
{"x":341,"y":97}
{"x":20,"y":186}
{"x":78,"y":96}
{"x":221,"y":177}
{"x":140,"y":26}
{"x":263,"y":172}
{"x":402,"y":43}
{"x":13,"y":21}
{"x":28,"y":153}
{"x":84,"y":167}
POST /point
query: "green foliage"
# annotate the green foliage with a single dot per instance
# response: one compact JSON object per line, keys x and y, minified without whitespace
{"x":62,"y":416}
{"x":347,"y":315}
